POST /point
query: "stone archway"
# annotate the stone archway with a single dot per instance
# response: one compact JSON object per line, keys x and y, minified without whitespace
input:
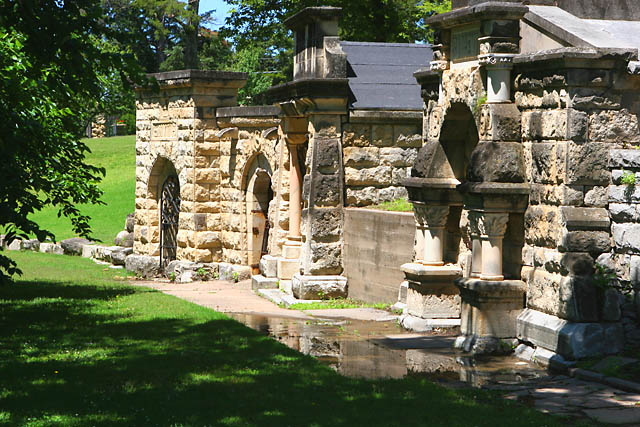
{"x":258,"y":197}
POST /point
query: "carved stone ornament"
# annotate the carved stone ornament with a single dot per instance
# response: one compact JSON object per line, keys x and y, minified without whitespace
{"x":439,"y":66}
{"x":496,"y":60}
{"x":488,"y":224}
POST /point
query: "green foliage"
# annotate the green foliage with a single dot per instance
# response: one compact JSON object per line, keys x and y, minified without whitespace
{"x":482,"y":99}
{"x":628,"y":178}
{"x":398,"y":205}
{"x":248,"y":60}
{"x":202,"y":274}
{"x":95,"y":351}
{"x":50,"y":69}
{"x":337,"y":304}
{"x":172,"y":277}
{"x":235,"y":276}
{"x":259,"y":23}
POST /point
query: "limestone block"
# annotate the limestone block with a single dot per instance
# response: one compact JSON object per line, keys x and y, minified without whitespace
{"x":623,"y":212}
{"x":89,"y":251}
{"x":119,"y":256}
{"x":328,"y":189}
{"x":500,"y":122}
{"x":620,"y":264}
{"x":624,"y":194}
{"x":627,"y":238}
{"x":51,"y":248}
{"x":544,"y":163}
{"x":235,"y":240}
{"x":398,"y":157}
{"x":258,"y":281}
{"x":74,"y":245}
{"x":356,"y":135}
{"x":556,"y":195}
{"x":359,"y":157}
{"x":587,"y":164}
{"x":327,"y":155}
{"x":585,"y":241}
{"x":380,"y":175}
{"x":578,"y":218}
{"x":597,"y":196}
{"x":618,"y":174}
{"x":542,"y":226}
{"x":202,"y":255}
{"x":571,"y":340}
{"x":208,"y":175}
{"x":382,"y":135}
{"x":619,"y":126}
{"x":15,"y":245}
{"x":269,"y":266}
{"x":389,"y":194}
{"x":407,"y":136}
{"x":359,"y":196}
{"x":326,"y":224}
{"x":497,"y":162}
{"x":212,"y":222}
{"x":124,"y":238}
{"x":323,"y":258}
{"x":206,"y":207}
{"x":144,"y":266}
{"x":399,"y":175}
{"x":547,"y":124}
{"x":443,"y":305}
{"x":207,"y":239}
{"x":624,"y":158}
{"x":319,"y":287}
{"x":30,"y":245}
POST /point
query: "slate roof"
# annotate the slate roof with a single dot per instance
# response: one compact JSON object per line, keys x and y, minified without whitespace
{"x":381,"y":74}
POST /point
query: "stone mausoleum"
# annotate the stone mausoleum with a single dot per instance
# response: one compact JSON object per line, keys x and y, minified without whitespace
{"x":514,"y":137}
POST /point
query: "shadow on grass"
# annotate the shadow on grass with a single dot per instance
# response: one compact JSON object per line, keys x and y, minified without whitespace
{"x":83,"y":356}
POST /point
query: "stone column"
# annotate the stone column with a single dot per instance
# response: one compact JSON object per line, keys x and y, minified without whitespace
{"x":498,"y":77}
{"x":435,"y":219}
{"x":418,"y":214}
{"x":492,"y":227}
{"x":289,"y":265}
{"x":476,"y":245}
{"x":295,"y":192}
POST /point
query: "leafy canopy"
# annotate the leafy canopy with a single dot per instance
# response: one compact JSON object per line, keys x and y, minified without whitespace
{"x":52,"y":62}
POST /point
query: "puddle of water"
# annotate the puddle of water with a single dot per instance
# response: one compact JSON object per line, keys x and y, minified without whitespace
{"x":369,"y":349}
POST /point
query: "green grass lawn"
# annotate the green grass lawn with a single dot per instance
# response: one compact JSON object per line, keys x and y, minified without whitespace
{"x":338,"y":303}
{"x":118,"y":156}
{"x":79,"y":347}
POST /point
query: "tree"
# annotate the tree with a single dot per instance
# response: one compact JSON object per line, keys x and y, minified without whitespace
{"x":260,"y":23}
{"x":51,"y":63}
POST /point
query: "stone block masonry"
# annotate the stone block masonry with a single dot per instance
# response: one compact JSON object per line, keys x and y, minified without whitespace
{"x":379,"y":149}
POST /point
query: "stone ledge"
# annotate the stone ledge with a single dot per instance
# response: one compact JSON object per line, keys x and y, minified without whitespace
{"x":419,"y":324}
{"x":487,"y":288}
{"x":248,"y":111}
{"x":421,"y":272}
{"x":258,"y":281}
{"x":619,"y":158}
{"x":374,"y":116}
{"x":585,"y":218}
{"x":570,"y":340}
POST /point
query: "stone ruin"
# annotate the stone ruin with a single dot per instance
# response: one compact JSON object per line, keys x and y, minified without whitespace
{"x":519,"y":159}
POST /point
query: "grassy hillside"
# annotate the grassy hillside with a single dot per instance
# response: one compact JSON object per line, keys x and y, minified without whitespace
{"x":118,"y":156}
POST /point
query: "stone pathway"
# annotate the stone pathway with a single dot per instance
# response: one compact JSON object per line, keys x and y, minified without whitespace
{"x":556,"y":394}
{"x":572,"y":397}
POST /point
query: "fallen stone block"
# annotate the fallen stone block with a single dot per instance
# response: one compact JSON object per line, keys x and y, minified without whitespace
{"x":31,"y":245}
{"x":15,"y":245}
{"x":74,"y":245}
{"x":142,"y":265}
{"x":51,"y":248}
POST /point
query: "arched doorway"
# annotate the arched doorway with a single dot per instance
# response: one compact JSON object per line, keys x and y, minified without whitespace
{"x":259,"y":195}
{"x":169,"y":217}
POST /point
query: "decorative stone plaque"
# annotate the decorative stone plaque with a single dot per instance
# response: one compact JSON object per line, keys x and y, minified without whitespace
{"x":464,"y":43}
{"x":164,"y":130}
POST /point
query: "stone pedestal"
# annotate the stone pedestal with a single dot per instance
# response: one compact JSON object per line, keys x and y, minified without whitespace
{"x":431,"y":293}
{"x":289,"y":264}
{"x":488,"y":314}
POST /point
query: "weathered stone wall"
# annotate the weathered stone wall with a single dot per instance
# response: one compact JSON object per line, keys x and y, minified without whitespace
{"x":379,"y":149}
{"x":571,"y":120}
{"x":376,"y":244}
{"x":250,"y":142}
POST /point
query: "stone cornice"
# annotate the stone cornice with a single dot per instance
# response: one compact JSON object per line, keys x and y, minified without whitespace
{"x":487,"y":10}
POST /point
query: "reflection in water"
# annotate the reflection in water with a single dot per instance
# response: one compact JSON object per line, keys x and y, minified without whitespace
{"x":384,"y":350}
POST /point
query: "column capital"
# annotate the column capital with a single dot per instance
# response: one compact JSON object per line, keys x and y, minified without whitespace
{"x":430,"y":216}
{"x":488,"y":223}
{"x":294,"y":139}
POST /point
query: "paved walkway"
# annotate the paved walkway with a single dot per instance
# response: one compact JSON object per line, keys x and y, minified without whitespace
{"x":555,"y":394}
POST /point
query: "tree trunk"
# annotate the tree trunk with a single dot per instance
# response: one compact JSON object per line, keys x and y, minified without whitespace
{"x":191,"y":35}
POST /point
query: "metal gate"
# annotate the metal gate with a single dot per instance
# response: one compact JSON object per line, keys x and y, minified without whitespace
{"x":169,"y":215}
